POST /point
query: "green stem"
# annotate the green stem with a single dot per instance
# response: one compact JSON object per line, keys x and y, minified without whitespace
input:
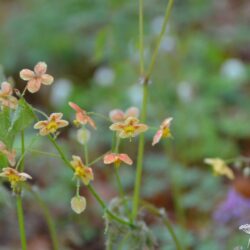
{"x":91,"y":189}
{"x":23,"y":151}
{"x":119,"y":184}
{"x":21,"y":222}
{"x":141,"y":37}
{"x":140,"y":156}
{"x":48,"y":217}
{"x":102,"y":204}
{"x":163,"y":29}
{"x":165,"y":221}
{"x":97,"y":159}
{"x":86,"y":153}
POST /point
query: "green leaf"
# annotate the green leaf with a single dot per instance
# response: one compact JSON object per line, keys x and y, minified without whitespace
{"x":4,"y":125}
{"x":22,"y":118}
{"x":3,"y":161}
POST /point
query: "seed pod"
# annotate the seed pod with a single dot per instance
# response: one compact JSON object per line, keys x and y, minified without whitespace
{"x":78,"y":204}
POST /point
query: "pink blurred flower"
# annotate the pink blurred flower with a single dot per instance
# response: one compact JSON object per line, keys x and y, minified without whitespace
{"x":51,"y":125}
{"x":11,"y":155}
{"x":164,"y":131}
{"x":117,"y":159}
{"x":6,"y":98}
{"x":129,"y":128}
{"x":37,"y":77}
{"x":117,"y":115}
{"x":81,"y":116}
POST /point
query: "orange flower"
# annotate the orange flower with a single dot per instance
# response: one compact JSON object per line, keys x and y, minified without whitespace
{"x":164,"y":131}
{"x":81,"y":171}
{"x":117,"y":159}
{"x":117,"y":115}
{"x":51,"y":125}
{"x":81,"y":116}
{"x":129,"y":128}
{"x":37,"y":77}
{"x":11,"y":155}
{"x":14,"y":177}
{"x":6,"y":98}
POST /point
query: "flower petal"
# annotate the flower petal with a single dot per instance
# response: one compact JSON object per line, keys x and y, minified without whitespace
{"x":55,"y":116}
{"x":109,"y":158}
{"x":116,"y":115}
{"x":117,"y":126}
{"x":40,"y":68}
{"x":6,"y":88}
{"x":157,"y":137}
{"x":62,"y":123}
{"x":40,"y":124}
{"x":125,"y":158}
{"x":25,"y":176}
{"x":34,"y":85}
{"x":27,"y":74}
{"x":75,"y":107}
{"x":47,"y":79}
{"x":91,"y":122}
{"x":166,"y":122}
{"x":133,"y":111}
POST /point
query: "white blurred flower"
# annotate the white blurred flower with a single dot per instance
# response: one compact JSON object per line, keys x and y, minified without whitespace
{"x":104,"y":76}
{"x":78,"y":204}
{"x":246,"y":229}
{"x":60,"y":92}
{"x":185,"y":91}
{"x":156,"y":25}
{"x":83,"y":135}
{"x":168,"y":43}
{"x":135,"y":94}
{"x":233,"y":69}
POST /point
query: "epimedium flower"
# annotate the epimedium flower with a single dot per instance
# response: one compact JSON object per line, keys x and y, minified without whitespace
{"x":6,"y":98}
{"x":220,"y":167}
{"x":81,"y":116}
{"x":129,"y":128}
{"x":78,"y":204}
{"x":14,"y":177}
{"x":37,"y":77}
{"x":11,"y":155}
{"x":117,"y":159}
{"x":81,"y":171}
{"x":51,"y":125}
{"x":117,"y":115}
{"x":164,"y":131}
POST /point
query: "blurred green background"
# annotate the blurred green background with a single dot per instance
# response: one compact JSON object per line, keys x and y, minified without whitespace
{"x":202,"y":80}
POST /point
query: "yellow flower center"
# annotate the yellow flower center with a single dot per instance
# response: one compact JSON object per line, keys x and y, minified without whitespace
{"x":166,"y":132}
{"x":129,"y":129}
{"x":14,"y":178}
{"x":52,"y":127}
{"x":79,"y":171}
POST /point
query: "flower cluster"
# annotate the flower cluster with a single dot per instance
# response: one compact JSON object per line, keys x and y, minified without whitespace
{"x":125,"y":124}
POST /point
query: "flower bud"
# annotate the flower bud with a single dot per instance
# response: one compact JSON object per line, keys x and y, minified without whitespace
{"x":83,"y":135}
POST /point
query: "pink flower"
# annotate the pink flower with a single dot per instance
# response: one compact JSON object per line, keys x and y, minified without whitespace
{"x":14,"y":177}
{"x":129,"y":128}
{"x":81,"y":116}
{"x":117,"y":115}
{"x":117,"y":159}
{"x":11,"y":155}
{"x":37,"y":77}
{"x":81,"y":171}
{"x":51,"y":125}
{"x":6,"y":98}
{"x":164,"y":131}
